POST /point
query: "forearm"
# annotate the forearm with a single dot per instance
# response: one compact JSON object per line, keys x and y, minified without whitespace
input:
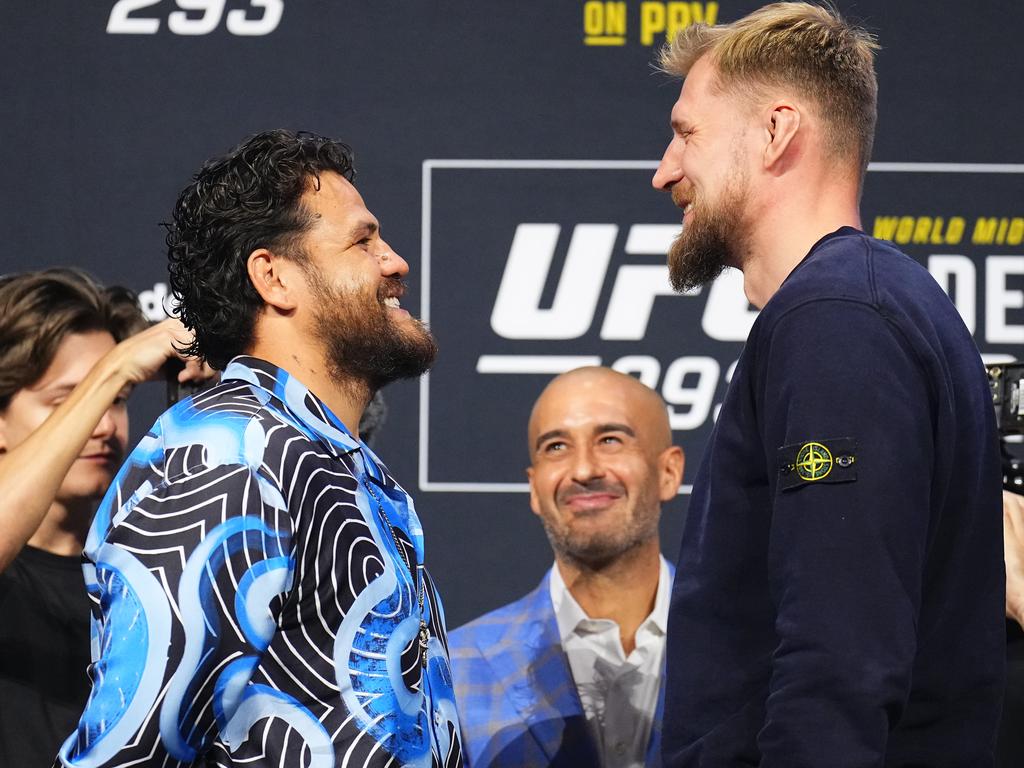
{"x":31,"y":473}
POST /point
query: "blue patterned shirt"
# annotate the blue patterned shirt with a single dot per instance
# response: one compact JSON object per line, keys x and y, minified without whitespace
{"x":257,"y":586}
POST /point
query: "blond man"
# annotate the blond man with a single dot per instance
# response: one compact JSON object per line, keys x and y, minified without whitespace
{"x":839,"y":596}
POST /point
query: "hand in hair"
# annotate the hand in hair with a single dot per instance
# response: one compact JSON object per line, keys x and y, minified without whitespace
{"x":31,"y":472}
{"x":141,"y":357}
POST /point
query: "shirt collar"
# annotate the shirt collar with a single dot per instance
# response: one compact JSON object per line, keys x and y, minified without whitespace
{"x":310,"y":412}
{"x":569,"y":615}
{"x":844,"y":231}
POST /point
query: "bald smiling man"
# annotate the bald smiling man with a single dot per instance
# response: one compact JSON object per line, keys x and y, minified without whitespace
{"x":570,"y":675}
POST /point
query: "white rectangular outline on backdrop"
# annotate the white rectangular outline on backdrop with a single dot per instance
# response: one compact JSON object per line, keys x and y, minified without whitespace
{"x":426,"y":484}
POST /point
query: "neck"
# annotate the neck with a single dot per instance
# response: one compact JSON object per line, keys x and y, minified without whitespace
{"x":784,"y":232}
{"x":623,"y":590}
{"x":346,"y":397}
{"x":65,"y":528}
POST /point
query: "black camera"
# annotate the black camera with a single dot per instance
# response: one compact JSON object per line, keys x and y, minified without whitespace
{"x":1006,"y":380}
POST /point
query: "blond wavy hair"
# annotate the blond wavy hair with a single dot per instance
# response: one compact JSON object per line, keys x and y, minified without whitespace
{"x":799,"y":47}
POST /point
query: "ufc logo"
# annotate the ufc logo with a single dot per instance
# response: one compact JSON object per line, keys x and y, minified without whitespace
{"x":517,"y":312}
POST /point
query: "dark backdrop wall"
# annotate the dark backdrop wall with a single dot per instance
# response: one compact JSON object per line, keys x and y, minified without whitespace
{"x":507,"y":149}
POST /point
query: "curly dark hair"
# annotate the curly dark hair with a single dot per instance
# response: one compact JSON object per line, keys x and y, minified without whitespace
{"x":39,"y":309}
{"x":236,"y":204}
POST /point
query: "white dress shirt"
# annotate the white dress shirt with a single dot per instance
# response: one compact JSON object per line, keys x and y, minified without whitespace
{"x":619,"y":693}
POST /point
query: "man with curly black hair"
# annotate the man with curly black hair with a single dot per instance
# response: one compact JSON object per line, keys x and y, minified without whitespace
{"x":261,"y":594}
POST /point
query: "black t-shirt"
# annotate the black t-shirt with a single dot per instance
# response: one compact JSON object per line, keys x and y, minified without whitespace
{"x":44,"y":652}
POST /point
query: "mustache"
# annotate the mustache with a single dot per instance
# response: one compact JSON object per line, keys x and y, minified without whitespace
{"x":681,"y":194}
{"x":573,"y":490}
{"x":391,"y":288}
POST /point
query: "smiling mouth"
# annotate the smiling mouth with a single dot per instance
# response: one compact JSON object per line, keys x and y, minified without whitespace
{"x":585,"y":502}
{"x":682,"y":202}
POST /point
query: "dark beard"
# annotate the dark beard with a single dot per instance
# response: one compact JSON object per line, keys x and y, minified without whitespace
{"x":364,"y":343}
{"x":597,"y":551}
{"x":708,"y":241}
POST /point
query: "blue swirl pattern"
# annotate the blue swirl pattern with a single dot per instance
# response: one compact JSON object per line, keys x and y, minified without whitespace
{"x":256,"y":577}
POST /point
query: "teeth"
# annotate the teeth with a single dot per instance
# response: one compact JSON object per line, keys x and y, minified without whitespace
{"x":392,"y":301}
{"x":688,"y":208}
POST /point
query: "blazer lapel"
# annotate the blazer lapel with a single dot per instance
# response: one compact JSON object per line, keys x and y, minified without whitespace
{"x":545,"y":696}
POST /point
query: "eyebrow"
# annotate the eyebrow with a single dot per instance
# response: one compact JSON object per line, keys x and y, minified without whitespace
{"x":363,"y":227}
{"x":680,"y":125}
{"x":598,"y":430}
{"x":615,"y":427}
{"x":541,"y":439}
{"x":56,"y":389}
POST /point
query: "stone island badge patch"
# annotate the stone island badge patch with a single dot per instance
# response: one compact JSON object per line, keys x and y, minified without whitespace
{"x":830,"y":460}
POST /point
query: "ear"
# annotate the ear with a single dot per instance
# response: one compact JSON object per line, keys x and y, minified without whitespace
{"x":275,"y":279}
{"x":780,"y":128}
{"x":534,"y":505}
{"x":3,"y":432}
{"x":670,"y":472}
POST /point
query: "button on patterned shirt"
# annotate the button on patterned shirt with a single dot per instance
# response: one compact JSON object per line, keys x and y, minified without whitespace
{"x":259,"y":596}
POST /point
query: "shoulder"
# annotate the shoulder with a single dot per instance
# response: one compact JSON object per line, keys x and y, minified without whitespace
{"x":503,"y":624}
{"x":233,"y":424}
{"x":223,"y":443}
{"x":853,"y":268}
{"x":233,"y":421}
{"x":854,"y":293}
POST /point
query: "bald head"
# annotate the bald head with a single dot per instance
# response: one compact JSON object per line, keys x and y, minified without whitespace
{"x":581,"y":388}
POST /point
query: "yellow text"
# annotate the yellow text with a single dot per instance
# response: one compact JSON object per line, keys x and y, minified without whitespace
{"x":930,"y":230}
{"x":998,"y":231}
{"x":667,"y":18}
{"x":604,"y":23}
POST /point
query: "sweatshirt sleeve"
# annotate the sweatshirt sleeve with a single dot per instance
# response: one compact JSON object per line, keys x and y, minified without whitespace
{"x":847,"y":430}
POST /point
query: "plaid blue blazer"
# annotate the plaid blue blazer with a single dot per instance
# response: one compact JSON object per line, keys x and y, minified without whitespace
{"x":518,"y":704}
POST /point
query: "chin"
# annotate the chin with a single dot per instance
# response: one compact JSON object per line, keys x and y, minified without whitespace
{"x":85,"y":486}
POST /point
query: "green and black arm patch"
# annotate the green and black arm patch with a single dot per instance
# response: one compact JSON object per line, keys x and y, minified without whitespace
{"x":827,"y":460}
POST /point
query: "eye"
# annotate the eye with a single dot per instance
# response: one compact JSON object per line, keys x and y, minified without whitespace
{"x":555,"y":446}
{"x":610,"y":440}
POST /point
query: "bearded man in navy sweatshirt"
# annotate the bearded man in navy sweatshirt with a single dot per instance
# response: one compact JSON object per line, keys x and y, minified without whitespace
{"x":839,"y":598}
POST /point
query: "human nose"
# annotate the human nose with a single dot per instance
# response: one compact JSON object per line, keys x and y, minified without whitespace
{"x":670,"y":168}
{"x":106,"y":427}
{"x":586,"y":466}
{"x":391,"y":264}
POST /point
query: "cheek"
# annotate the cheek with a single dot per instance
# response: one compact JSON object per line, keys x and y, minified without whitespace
{"x":18,"y":426}
{"x":637,"y":476}
{"x":545,"y":483}
{"x":86,"y":481}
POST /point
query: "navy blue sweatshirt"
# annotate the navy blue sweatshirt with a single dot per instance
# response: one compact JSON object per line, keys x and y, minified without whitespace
{"x":839,"y":598}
